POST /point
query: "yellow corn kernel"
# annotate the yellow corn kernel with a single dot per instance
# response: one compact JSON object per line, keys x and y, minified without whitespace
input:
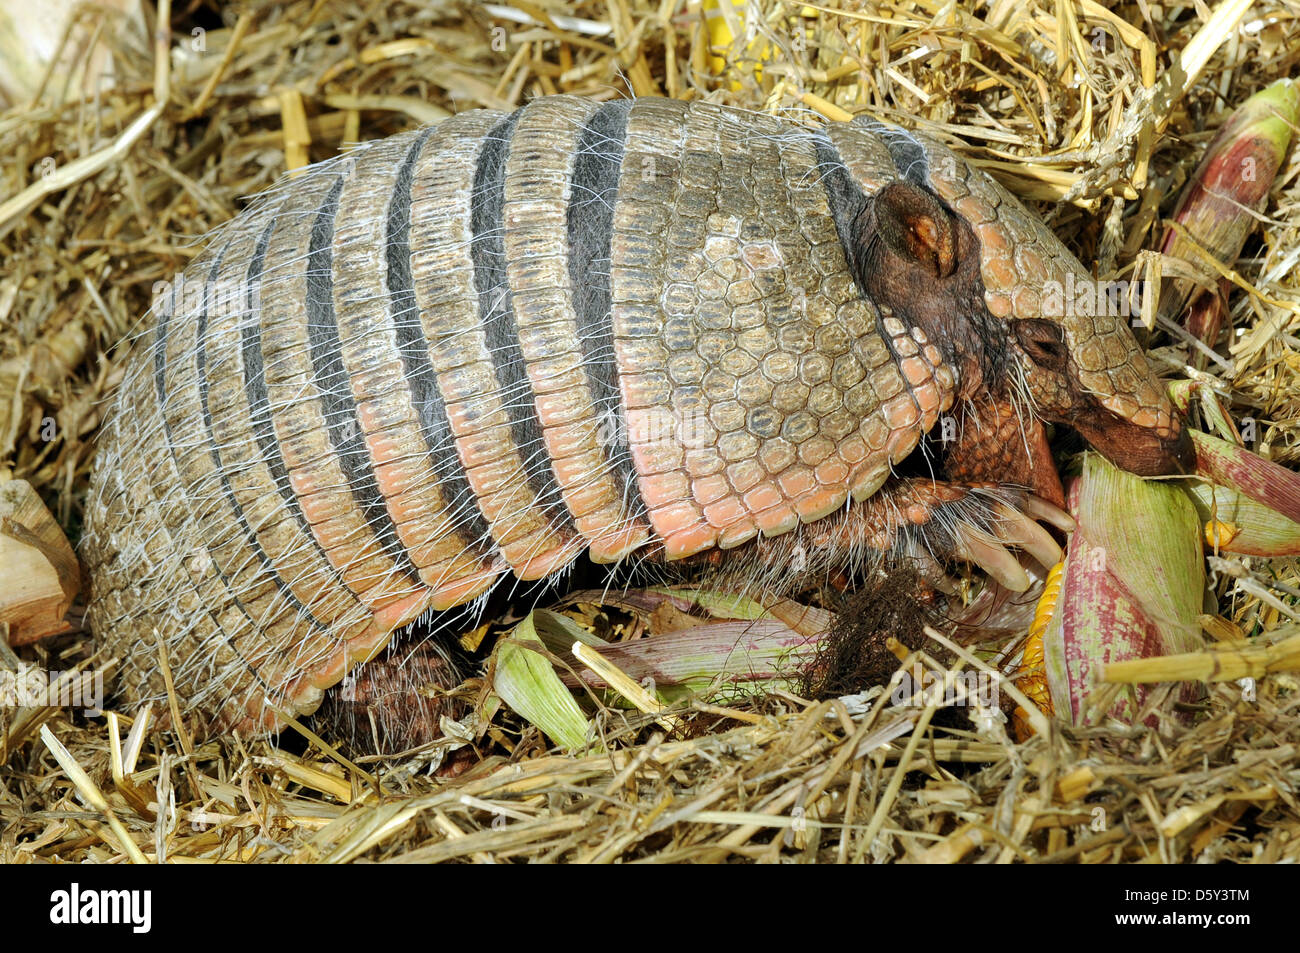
{"x":1033,"y":672}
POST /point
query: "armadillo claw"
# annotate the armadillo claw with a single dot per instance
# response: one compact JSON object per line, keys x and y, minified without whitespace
{"x":929,"y":567}
{"x":1023,"y":532}
{"x":933,"y":573}
{"x":1040,"y":509}
{"x":1015,"y":528}
{"x":977,"y":547}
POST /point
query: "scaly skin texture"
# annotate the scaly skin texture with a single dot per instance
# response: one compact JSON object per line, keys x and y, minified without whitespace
{"x":650,"y":331}
{"x":994,"y":441}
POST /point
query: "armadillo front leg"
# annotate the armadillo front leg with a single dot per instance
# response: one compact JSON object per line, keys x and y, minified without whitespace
{"x":920,"y":520}
{"x":993,"y":442}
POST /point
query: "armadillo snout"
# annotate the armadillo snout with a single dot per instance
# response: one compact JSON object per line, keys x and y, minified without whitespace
{"x":1141,"y":450}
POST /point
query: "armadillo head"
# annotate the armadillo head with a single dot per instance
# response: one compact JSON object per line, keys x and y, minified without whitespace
{"x":958,"y":256}
{"x":1087,"y":372}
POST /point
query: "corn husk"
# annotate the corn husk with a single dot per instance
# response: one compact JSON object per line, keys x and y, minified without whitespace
{"x":1132,"y":584}
{"x":719,"y":661}
{"x":1224,"y":463}
{"x":1249,"y":505}
{"x":716,"y":661}
{"x":526,"y":681}
{"x":1214,"y":213}
{"x":721,"y":605}
{"x":1234,"y":523}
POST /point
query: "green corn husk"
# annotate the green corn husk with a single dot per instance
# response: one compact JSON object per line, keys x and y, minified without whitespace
{"x":1258,"y":500}
{"x":724,"y":605}
{"x":1242,"y":525}
{"x":526,"y":681}
{"x":1257,"y":479}
{"x":1214,"y":211}
{"x":1133,"y":584}
{"x":558,"y":632}
{"x":717,"y":661}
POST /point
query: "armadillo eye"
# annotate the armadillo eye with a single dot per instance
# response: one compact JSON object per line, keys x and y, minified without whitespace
{"x":1044,"y":343}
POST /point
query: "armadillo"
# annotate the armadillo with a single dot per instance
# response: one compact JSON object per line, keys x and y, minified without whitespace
{"x":643,"y":330}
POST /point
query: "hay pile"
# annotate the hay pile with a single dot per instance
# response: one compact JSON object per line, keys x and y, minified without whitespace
{"x":1098,"y":115}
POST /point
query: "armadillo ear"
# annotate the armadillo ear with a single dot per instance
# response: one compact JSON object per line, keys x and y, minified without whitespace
{"x":916,"y":226}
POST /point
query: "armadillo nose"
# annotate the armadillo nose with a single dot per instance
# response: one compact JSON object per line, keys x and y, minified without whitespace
{"x":1139,"y":450}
